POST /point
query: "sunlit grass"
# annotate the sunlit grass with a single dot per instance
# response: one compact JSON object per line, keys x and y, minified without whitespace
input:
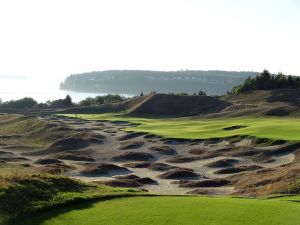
{"x":279,"y":128}
{"x":173,"y":210}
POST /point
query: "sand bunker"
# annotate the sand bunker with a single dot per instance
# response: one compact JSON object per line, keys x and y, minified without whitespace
{"x":130,"y":145}
{"x":143,"y":180}
{"x":13,"y":159}
{"x":237,"y":169}
{"x":75,"y":156}
{"x":6,"y":153}
{"x":202,"y":183}
{"x":127,"y":177}
{"x":222,"y":163}
{"x":130,"y":136}
{"x":121,"y":183}
{"x":47,"y":161}
{"x":57,"y":168}
{"x":63,"y":145}
{"x":197,"y":151}
{"x":133,"y":156}
{"x":104,"y":169}
{"x":183,"y":159}
{"x":164,"y":149}
{"x":151,"y":166}
{"x":179,"y":173}
{"x":137,"y":165}
{"x":160,"y":167}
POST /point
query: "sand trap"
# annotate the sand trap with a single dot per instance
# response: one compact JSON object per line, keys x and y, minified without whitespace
{"x":237,"y":169}
{"x":63,"y":145}
{"x":222,"y":163}
{"x":48,"y":161}
{"x":143,"y":181}
{"x":146,"y":181}
{"x":206,"y":165}
{"x":130,"y":136}
{"x":130,"y":145}
{"x":13,"y":159}
{"x":203,"y":183}
{"x":197,"y":151}
{"x":57,"y":168}
{"x":183,"y":159}
{"x":137,"y":165}
{"x":133,"y":156}
{"x":104,"y":170}
{"x":121,"y":183}
{"x":127,"y":177}
{"x":164,"y":149}
{"x":179,"y":174}
{"x":160,"y":167}
{"x":74,"y":156}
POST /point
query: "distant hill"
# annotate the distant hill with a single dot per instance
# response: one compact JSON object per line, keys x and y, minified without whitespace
{"x":137,"y":81}
{"x":279,"y":102}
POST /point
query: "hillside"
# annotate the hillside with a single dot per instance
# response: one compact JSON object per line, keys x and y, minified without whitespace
{"x":137,"y":81}
{"x":279,"y":102}
{"x":163,"y":104}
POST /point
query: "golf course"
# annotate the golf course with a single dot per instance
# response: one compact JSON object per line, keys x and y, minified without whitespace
{"x":176,"y":210}
{"x":278,"y":128}
{"x":155,"y":159}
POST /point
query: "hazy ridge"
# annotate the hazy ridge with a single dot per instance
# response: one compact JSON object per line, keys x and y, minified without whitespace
{"x":137,"y":81}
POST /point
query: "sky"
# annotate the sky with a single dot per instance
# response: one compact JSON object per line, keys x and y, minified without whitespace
{"x":55,"y":38}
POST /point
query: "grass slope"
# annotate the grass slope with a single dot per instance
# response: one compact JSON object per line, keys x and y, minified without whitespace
{"x":278,"y":128}
{"x":26,"y":133}
{"x":22,"y":195}
{"x":176,"y":211}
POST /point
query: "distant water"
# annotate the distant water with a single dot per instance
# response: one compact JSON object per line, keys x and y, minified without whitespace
{"x":39,"y":89}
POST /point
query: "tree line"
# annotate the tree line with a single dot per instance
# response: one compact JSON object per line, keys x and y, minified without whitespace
{"x":267,"y":81}
{"x":30,"y":103}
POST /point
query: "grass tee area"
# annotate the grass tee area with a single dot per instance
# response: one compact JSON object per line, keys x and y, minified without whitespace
{"x":176,"y":211}
{"x":278,"y":128}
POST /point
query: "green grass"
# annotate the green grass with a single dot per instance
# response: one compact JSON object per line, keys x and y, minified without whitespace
{"x":22,"y":195}
{"x":277,"y":128}
{"x":176,"y":211}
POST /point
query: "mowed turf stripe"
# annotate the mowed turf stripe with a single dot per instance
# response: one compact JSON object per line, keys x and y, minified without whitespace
{"x":176,"y":211}
{"x":279,"y":128}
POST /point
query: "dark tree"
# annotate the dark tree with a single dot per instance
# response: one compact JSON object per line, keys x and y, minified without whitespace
{"x":87,"y":102}
{"x":68,"y":101}
{"x":24,"y":103}
{"x":267,"y":81}
{"x":201,"y":93}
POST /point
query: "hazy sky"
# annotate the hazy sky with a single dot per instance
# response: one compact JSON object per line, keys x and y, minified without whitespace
{"x":58,"y":37}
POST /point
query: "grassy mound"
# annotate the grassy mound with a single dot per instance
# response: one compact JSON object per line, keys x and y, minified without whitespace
{"x":176,"y":105}
{"x":27,"y":194}
{"x":176,"y":211}
{"x":26,"y":133}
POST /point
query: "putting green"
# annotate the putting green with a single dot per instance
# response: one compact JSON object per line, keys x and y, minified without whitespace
{"x":176,"y":211}
{"x":277,"y":128}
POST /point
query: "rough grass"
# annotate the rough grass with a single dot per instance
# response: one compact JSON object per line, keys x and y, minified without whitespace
{"x":276,"y":128}
{"x":25,"y":133}
{"x":22,"y":195}
{"x":174,"y":210}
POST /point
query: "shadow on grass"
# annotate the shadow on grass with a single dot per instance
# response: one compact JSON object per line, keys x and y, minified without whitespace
{"x":38,"y":218}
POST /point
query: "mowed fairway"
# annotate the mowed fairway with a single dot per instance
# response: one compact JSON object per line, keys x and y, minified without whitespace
{"x":278,"y":128}
{"x":176,"y":211}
